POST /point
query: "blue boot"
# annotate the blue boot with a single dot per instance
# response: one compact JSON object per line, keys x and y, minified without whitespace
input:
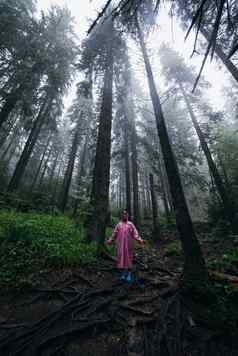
{"x":130,"y":278}
{"x":124,"y":275}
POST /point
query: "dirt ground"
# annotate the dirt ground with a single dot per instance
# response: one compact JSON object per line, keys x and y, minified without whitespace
{"x":90,"y":312}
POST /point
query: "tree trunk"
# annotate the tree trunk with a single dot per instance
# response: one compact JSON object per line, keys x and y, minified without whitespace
{"x":81,"y":174}
{"x":156,"y":227}
{"x":127,"y":170}
{"x":194,"y":268}
{"x":164,"y":194}
{"x":228,"y":63}
{"x":10,"y":104}
{"x":135,"y":179}
{"x":40,"y":165}
{"x":45,"y":167}
{"x":70,"y":167}
{"x":227,"y":204}
{"x":29,"y":146}
{"x":101,"y":174}
{"x":52,"y":174}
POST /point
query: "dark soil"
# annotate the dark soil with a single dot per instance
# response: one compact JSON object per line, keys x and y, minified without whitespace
{"x":88,"y":311}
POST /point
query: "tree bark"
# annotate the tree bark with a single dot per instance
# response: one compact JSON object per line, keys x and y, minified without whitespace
{"x":101,"y":174}
{"x":81,"y":174}
{"x":29,"y":146}
{"x":40,"y":165}
{"x":10,"y":104}
{"x":228,"y":63}
{"x":227,"y":203}
{"x":194,"y":267}
{"x":135,"y":179}
{"x":70,"y":167}
{"x":127,"y":170}
{"x":45,"y":167}
{"x":156,"y":227}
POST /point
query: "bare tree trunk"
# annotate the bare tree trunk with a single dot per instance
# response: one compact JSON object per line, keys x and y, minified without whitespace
{"x":40,"y":165}
{"x":227,"y":203}
{"x":135,"y":179}
{"x":52,"y":174}
{"x":228,"y":63}
{"x":29,"y":146}
{"x":70,"y":167}
{"x":194,"y":268}
{"x":81,"y":173}
{"x":10,"y":104}
{"x":127,"y":170}
{"x":101,"y":174}
{"x":45,"y":167}
{"x":156,"y":227}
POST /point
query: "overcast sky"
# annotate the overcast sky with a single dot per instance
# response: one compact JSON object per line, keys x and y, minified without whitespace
{"x":83,"y":10}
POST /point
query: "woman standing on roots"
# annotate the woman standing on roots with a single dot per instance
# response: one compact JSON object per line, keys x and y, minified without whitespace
{"x":124,"y":234}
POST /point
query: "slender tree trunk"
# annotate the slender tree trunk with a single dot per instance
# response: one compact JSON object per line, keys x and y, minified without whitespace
{"x":156,"y":227}
{"x":12,"y":139}
{"x":194,"y":267}
{"x":228,"y":63}
{"x":227,"y":204}
{"x":54,"y":194}
{"x":45,"y":168}
{"x":127,"y":170}
{"x":81,"y":174}
{"x":52,"y":174}
{"x":101,"y":174}
{"x":135,"y":179}
{"x":13,"y":125}
{"x":29,"y":146}
{"x":10,"y":104}
{"x":70,"y":167}
{"x":40,"y":165}
{"x":148,"y":195}
{"x":164,"y":196}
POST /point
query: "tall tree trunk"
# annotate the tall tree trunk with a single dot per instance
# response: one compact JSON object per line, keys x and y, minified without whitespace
{"x":29,"y":146}
{"x":40,"y":165}
{"x":54,"y":193}
{"x":228,"y":63}
{"x":194,"y":268}
{"x":10,"y":143}
{"x":45,"y":167}
{"x":12,"y":126}
{"x":135,"y":179}
{"x":101,"y":174}
{"x":164,"y":194}
{"x":52,"y":174}
{"x":156,"y":227}
{"x":10,"y":103}
{"x":81,"y":174}
{"x":227,"y":203}
{"x":70,"y":167}
{"x":127,"y":170}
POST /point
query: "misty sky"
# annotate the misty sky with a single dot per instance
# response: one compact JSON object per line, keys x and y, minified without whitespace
{"x":215,"y":73}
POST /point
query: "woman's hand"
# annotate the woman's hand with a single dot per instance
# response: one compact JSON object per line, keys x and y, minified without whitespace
{"x":108,"y":242}
{"x":142,"y":242}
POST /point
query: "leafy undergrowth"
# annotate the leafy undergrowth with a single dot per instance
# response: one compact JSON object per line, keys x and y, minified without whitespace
{"x":78,"y":306}
{"x":30,"y":242}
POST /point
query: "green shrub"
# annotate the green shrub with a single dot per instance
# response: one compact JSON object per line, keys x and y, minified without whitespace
{"x":173,"y":248}
{"x":32,"y":240}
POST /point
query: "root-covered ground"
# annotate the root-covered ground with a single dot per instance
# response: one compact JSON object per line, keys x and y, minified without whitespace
{"x":88,"y":311}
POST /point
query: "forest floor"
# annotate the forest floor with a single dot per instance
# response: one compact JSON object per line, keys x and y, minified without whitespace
{"x":90,"y":312}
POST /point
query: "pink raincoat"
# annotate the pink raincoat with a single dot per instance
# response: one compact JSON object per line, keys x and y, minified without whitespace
{"x":124,"y":234}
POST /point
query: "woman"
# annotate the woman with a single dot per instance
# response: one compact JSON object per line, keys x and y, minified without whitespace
{"x":124,"y":234}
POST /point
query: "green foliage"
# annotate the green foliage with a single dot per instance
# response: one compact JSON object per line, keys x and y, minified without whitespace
{"x":29,"y":241}
{"x":174,"y":248}
{"x":228,"y":261}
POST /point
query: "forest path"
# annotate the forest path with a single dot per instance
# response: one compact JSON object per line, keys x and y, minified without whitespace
{"x":88,"y":311}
